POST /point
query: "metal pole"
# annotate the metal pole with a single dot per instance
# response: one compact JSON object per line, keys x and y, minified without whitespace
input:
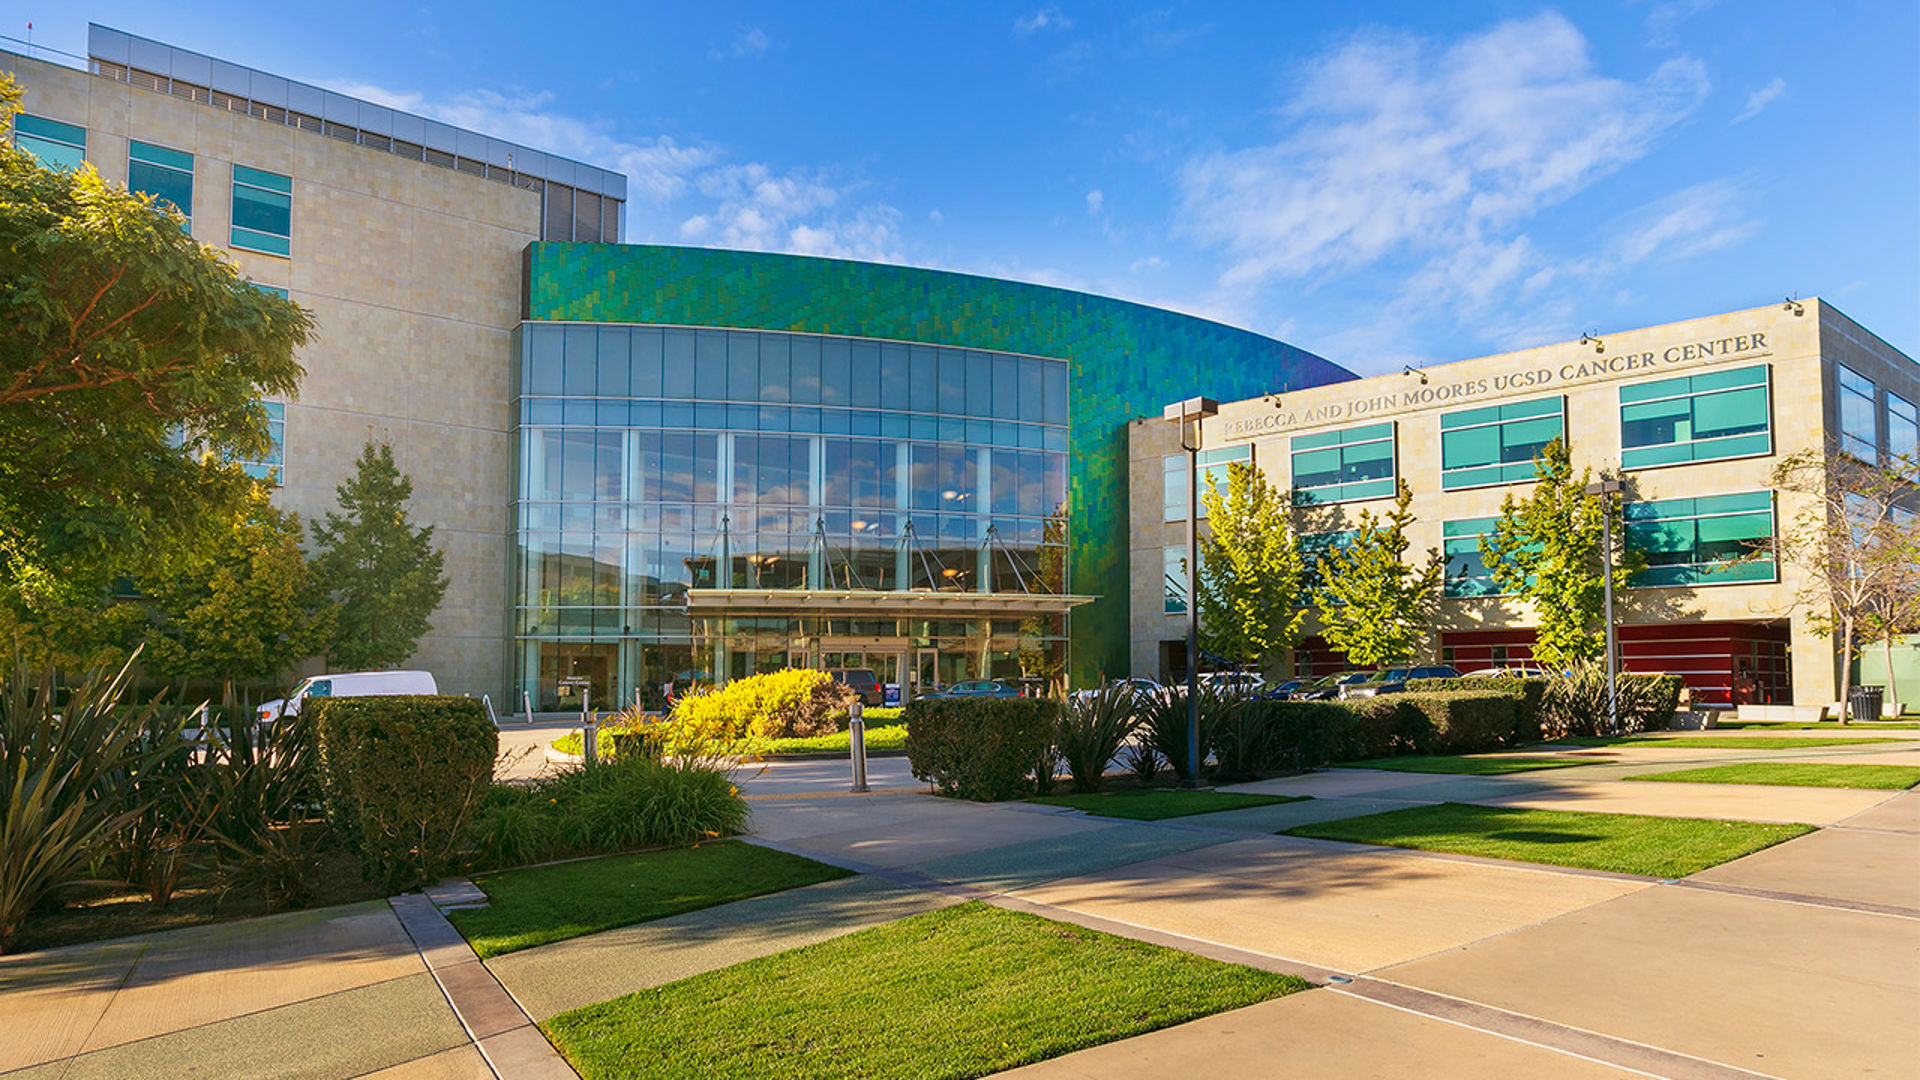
{"x":1613,"y":675}
{"x":589,"y":735}
{"x":1193,"y":604}
{"x":857,"y":743}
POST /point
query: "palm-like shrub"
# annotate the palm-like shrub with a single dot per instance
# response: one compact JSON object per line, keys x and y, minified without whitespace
{"x":1091,"y":729}
{"x":68,"y":769}
{"x":259,"y":811}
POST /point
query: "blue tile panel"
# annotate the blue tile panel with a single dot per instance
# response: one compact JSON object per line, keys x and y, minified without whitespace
{"x":1125,"y":361}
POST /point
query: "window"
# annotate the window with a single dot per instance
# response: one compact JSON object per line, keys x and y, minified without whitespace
{"x":1859,"y":431}
{"x":270,"y":290}
{"x":1213,"y":469}
{"x":57,"y":145}
{"x":1702,"y":541}
{"x":1467,"y":573}
{"x":1497,"y":444}
{"x":262,"y":211}
{"x":1903,"y":427}
{"x":1176,"y":580}
{"x":1722,"y":414}
{"x":165,"y":174}
{"x":269,"y":467}
{"x":1315,"y":550}
{"x":1340,"y":466}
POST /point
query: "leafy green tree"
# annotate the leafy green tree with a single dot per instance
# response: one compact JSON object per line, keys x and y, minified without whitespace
{"x":131,"y":370}
{"x":1546,"y":549}
{"x":1250,"y":589}
{"x":243,"y":604}
{"x":1376,"y":607}
{"x":387,"y":574}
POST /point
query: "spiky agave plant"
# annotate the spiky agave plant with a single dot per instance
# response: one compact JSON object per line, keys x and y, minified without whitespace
{"x":1093,"y":725}
{"x":67,"y":768}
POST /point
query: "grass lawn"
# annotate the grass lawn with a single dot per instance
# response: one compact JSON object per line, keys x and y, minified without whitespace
{"x":1154,"y":804}
{"x":541,"y":904}
{"x":1731,"y":742}
{"x":1627,"y":843}
{"x":1471,"y":766}
{"x":961,"y":992}
{"x":1797,"y":774}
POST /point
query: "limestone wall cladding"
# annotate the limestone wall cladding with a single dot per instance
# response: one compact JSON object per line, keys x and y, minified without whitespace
{"x":1800,"y":350}
{"x":413,"y":274}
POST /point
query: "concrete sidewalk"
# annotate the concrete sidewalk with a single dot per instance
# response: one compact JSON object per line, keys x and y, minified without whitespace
{"x":326,"y":994}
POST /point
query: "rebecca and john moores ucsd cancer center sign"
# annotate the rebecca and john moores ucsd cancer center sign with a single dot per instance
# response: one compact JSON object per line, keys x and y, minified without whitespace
{"x":1591,"y":369}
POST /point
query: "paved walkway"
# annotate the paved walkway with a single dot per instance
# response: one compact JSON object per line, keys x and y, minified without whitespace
{"x":1799,"y":961}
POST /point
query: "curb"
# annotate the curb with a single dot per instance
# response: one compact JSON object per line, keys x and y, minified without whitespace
{"x":503,"y":1033}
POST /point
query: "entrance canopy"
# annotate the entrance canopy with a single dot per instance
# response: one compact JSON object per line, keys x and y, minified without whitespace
{"x":850,"y":603}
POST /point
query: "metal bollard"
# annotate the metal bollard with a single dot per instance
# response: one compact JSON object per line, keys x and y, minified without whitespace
{"x":857,"y":743}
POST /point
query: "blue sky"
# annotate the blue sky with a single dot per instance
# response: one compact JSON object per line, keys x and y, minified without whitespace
{"x":1376,"y":182}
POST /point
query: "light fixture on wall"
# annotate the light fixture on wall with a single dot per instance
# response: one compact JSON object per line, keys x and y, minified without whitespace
{"x":1271,"y":399}
{"x":1793,"y":305}
{"x":1411,"y":370}
{"x":1593,"y":339}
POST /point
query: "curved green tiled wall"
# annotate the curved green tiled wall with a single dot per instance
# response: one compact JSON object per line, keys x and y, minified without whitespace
{"x":1125,"y":360}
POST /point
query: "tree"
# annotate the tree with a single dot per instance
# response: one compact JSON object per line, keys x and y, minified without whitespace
{"x":1853,"y":540}
{"x":1546,"y":549}
{"x":387,"y":575}
{"x":1249,"y":588}
{"x":131,"y":372}
{"x":1375,"y":607}
{"x":244,"y":604}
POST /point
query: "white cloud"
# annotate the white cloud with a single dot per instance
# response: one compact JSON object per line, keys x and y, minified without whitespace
{"x":749,"y":44}
{"x":708,"y":200}
{"x":1151,"y":262}
{"x":1692,"y":221}
{"x":936,"y":216}
{"x":758,"y":209}
{"x":657,"y":167}
{"x":1095,"y":200}
{"x":1664,"y":19}
{"x":1398,"y":147}
{"x":1758,"y":100}
{"x":1049,"y":17}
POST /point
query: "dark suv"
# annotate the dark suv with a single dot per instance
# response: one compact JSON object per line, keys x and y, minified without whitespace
{"x":861,"y":681}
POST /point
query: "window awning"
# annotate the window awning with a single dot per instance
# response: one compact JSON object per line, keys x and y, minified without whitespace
{"x":864,"y":602}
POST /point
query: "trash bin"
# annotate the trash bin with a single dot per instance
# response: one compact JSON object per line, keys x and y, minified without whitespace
{"x":1864,"y":702}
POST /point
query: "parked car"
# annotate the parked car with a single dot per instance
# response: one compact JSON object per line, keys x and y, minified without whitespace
{"x":348,"y":684}
{"x":1142,"y":689}
{"x":1328,"y":687}
{"x":1284,"y":691}
{"x":1243,"y":682}
{"x":975,"y":688}
{"x":1394,"y":680}
{"x":1514,"y":671}
{"x":861,"y":681}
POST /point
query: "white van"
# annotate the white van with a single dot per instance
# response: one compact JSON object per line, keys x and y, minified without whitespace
{"x":349,"y":684}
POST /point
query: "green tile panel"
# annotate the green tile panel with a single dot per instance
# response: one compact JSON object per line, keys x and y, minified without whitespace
{"x":1126,"y":360}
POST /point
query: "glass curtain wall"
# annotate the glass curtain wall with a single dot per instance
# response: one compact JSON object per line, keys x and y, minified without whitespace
{"x":654,"y":460}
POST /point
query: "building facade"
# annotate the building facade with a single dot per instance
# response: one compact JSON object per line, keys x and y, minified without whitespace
{"x":648,"y":462}
{"x":1693,"y":416}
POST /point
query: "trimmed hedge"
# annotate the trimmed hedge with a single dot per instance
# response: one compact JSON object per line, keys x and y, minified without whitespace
{"x":1531,"y":707}
{"x":401,"y":777}
{"x":788,"y":704}
{"x":984,"y":749}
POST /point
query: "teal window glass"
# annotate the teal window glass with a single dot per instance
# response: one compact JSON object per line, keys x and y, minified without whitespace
{"x":262,"y":211}
{"x":1721,"y":414}
{"x":1175,"y":559}
{"x":1467,"y":573}
{"x":1497,"y":444}
{"x":165,"y":174}
{"x":1903,"y":427}
{"x":269,"y":467}
{"x":57,"y":145}
{"x":1340,"y":466}
{"x":1708,"y":540}
{"x":1213,"y":470}
{"x":1859,"y":429}
{"x":273,"y":290}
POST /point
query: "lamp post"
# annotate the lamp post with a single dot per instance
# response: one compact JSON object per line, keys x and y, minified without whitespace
{"x":1192,"y":411}
{"x":1605,"y":489}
